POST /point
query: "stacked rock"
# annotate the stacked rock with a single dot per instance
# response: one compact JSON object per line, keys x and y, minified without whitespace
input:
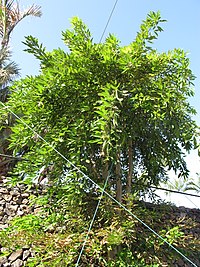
{"x":17,"y":258}
{"x":14,"y":201}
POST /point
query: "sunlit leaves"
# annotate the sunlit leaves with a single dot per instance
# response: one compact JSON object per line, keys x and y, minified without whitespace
{"x":90,"y":102}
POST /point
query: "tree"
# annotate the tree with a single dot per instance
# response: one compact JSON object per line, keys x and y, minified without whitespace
{"x":107,"y":108}
{"x":10,"y":15}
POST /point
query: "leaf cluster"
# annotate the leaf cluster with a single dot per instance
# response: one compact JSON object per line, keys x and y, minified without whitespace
{"x":90,"y":102}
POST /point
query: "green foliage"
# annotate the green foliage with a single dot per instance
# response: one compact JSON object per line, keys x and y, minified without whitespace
{"x":57,"y":240}
{"x":172,"y":235}
{"x":36,"y":49}
{"x":10,"y":15}
{"x":91,"y":102}
{"x":106,"y":108}
{"x":28,"y":223}
{"x":193,"y":184}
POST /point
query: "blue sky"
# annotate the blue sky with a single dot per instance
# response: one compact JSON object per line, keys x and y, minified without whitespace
{"x":182,"y":30}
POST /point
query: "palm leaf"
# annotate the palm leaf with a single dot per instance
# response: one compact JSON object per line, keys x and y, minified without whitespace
{"x":8,"y":69}
{"x":11,"y":15}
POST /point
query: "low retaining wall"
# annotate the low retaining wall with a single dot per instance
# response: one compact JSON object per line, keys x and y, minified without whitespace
{"x":17,"y":258}
{"x":14,"y":201}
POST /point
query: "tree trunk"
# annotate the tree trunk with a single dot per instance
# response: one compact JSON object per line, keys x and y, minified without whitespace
{"x":130,"y":167}
{"x":118,"y":178}
{"x":117,"y":248}
{"x":105,"y":170}
{"x":93,"y":166}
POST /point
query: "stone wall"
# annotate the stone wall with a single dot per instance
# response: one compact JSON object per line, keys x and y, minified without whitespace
{"x":14,"y":201}
{"x":180,"y":213}
{"x":17,"y":258}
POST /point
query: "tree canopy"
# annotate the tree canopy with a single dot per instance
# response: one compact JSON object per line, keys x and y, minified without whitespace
{"x":106,"y":107}
{"x":117,"y":112}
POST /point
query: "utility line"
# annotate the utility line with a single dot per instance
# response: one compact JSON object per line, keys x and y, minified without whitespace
{"x":100,"y":188}
{"x":192,"y":202}
{"x":102,"y":192}
{"x":174,"y":191}
{"x":186,"y":197}
{"x":93,"y":218}
{"x":159,"y":188}
{"x":108,"y":21}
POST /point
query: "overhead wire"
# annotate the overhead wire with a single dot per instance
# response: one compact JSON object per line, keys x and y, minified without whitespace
{"x":108,"y":21}
{"x":92,"y":221}
{"x":186,"y":197}
{"x":154,"y":187}
{"x":175,"y":191}
{"x":102,"y":192}
{"x":100,"y":188}
{"x":178,"y":192}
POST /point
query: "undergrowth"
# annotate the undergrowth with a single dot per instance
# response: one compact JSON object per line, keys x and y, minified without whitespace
{"x":116,"y":239}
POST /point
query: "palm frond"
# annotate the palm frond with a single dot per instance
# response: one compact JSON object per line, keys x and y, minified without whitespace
{"x":183,"y":185}
{"x":11,"y":14}
{"x":8,"y":69}
{"x":5,"y":54}
{"x":8,"y":73}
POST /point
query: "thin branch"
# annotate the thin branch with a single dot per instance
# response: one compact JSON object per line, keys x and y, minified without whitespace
{"x":12,"y":157}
